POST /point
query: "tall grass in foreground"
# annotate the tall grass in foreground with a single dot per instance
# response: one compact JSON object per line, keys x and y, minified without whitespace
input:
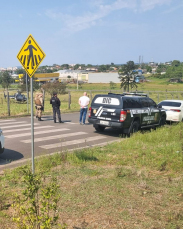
{"x":135,"y":183}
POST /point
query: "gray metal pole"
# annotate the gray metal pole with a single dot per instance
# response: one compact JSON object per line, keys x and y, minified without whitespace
{"x":8,"y":102}
{"x":32,"y":125}
{"x":27,"y":94}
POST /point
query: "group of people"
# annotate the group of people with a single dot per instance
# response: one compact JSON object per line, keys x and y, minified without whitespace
{"x":55,"y":102}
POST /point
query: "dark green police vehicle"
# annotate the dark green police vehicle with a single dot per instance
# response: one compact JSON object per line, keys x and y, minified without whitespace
{"x":128,"y":112}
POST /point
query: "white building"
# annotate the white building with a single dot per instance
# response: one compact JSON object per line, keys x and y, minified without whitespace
{"x":103,"y":77}
{"x":69,"y":74}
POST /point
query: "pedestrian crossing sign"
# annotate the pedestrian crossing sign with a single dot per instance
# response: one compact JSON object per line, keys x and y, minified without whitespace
{"x":30,"y":55}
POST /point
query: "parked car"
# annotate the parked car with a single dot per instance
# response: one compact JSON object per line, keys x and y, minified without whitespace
{"x":174,"y":110}
{"x":128,"y":112}
{"x":1,"y":142}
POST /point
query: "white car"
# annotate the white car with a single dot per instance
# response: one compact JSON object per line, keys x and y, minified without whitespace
{"x":1,"y":142}
{"x":174,"y":110}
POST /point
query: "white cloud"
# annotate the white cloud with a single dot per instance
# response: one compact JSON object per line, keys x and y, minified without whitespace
{"x":88,"y":19}
{"x":173,"y":9}
{"x":151,"y":4}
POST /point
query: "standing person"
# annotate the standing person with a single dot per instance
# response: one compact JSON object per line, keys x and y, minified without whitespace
{"x":39,"y":105}
{"x":55,"y":101}
{"x":83,"y":102}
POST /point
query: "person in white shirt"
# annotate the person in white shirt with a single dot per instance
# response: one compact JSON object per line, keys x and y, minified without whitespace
{"x":83,"y":102}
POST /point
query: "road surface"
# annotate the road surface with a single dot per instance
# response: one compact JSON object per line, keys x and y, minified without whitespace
{"x":49,"y":137}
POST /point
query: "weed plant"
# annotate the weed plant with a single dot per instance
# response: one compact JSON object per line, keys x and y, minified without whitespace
{"x":134,"y":183}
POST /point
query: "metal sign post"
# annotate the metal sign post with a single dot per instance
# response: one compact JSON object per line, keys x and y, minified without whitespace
{"x":27,"y":89}
{"x":32,"y":125}
{"x":30,"y":56}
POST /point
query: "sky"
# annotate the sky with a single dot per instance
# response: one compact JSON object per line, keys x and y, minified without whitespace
{"x":93,"y":31}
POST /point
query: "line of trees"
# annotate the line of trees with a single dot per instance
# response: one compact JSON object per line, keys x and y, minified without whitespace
{"x":173,"y":71}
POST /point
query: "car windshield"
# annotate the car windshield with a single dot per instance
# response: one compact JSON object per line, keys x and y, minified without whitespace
{"x":170,"y":104}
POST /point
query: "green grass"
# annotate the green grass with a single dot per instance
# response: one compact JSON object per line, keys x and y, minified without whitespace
{"x":134,"y":183}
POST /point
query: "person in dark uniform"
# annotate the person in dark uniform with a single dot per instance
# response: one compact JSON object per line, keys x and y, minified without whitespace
{"x":55,"y":101}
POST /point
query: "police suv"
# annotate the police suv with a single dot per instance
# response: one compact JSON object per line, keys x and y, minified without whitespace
{"x":128,"y":112}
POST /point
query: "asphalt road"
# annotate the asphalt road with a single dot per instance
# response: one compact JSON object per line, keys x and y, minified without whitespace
{"x":49,"y":137}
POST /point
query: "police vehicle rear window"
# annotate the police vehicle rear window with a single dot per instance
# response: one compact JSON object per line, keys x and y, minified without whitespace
{"x":129,"y":102}
{"x":105,"y":100}
{"x":170,"y":104}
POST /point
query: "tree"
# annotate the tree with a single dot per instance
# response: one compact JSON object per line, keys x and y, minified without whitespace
{"x":1,"y":75}
{"x":148,"y":68}
{"x":103,"y":68}
{"x":55,"y":86}
{"x":20,"y":71}
{"x":22,"y":86}
{"x":76,"y":66}
{"x":126,"y":75}
{"x":112,"y":85}
{"x":6,"y":80}
{"x":89,"y":65}
{"x":176,"y":63}
{"x":65,"y":66}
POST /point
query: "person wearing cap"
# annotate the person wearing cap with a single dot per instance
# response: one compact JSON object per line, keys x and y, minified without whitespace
{"x":83,"y":102}
{"x":39,"y":105}
{"x":55,"y":101}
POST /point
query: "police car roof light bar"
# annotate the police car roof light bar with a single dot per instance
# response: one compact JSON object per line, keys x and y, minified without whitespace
{"x":135,"y":94}
{"x":129,"y":93}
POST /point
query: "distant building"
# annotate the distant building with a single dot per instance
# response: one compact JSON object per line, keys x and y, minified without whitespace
{"x":14,"y":76}
{"x":103,"y":77}
{"x":169,"y":63}
{"x":44,"y":77}
{"x":69,"y":74}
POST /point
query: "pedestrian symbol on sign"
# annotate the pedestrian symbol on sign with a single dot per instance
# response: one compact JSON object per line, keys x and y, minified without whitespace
{"x":30,"y":56}
{"x":30,"y":48}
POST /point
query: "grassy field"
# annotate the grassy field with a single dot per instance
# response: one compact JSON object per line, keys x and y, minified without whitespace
{"x":157,"y":89}
{"x":136,"y":183}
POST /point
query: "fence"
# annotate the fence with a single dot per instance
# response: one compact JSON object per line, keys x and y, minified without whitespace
{"x":69,"y":101}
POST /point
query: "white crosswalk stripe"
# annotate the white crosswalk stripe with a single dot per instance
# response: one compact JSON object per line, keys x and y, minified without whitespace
{"x":72,"y":123}
{"x":23,"y":129}
{"x":36,"y":133}
{"x":61,"y":136}
{"x":4,"y":125}
{"x":7,"y":120}
{"x":72,"y":142}
{"x":14,"y":126}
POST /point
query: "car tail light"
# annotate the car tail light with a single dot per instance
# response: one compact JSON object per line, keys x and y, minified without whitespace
{"x":89,"y":112}
{"x":175,"y":110}
{"x":122,"y":116}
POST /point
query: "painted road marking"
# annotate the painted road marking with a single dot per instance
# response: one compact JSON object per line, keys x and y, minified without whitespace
{"x":8,"y":127}
{"x":35,"y":133}
{"x":2,"y":125}
{"x":7,"y":120}
{"x":23,"y":129}
{"x":61,"y":136}
{"x":73,"y":142}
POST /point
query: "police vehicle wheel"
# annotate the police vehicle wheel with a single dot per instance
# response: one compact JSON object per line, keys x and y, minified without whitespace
{"x":162,"y":121}
{"x":99,"y":128}
{"x":134,"y":128}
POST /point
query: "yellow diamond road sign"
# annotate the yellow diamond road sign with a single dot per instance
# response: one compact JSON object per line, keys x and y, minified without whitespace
{"x":30,"y":55}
